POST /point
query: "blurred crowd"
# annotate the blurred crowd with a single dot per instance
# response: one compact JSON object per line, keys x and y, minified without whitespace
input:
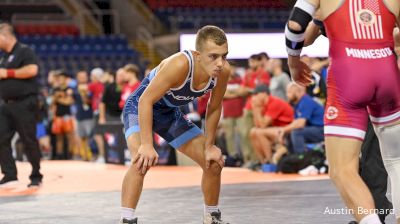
{"x":75,"y":107}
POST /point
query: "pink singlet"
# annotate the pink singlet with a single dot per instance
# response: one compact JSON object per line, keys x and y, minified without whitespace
{"x":363,"y":77}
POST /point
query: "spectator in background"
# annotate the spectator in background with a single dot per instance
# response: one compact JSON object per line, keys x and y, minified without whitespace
{"x":264,"y":61}
{"x":132,"y":82}
{"x":317,"y":88}
{"x":96,"y":89}
{"x":71,"y":82}
{"x":256,"y":74}
{"x":52,"y":84}
{"x":147,"y":71}
{"x":84,"y":115}
{"x":253,"y":77}
{"x":309,"y":119}
{"x":52,"y":81}
{"x":233,"y":105}
{"x":18,"y":106}
{"x":110,"y":108}
{"x":108,"y":77}
{"x":63,"y":124}
{"x":43,"y":120}
{"x":279,"y":80}
{"x":269,"y":112}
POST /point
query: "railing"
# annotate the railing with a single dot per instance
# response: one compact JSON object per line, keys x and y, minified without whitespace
{"x":152,"y":21}
{"x":101,"y":15}
{"x":50,"y":18}
{"x":87,"y":23}
{"x":228,"y":23}
{"x":28,"y":2}
{"x":144,"y":35}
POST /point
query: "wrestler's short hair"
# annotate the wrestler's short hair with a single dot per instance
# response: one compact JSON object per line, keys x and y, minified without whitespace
{"x":213,"y":33}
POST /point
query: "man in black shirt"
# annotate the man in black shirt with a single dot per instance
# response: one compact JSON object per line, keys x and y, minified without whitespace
{"x":18,"y":113}
{"x":109,"y":108}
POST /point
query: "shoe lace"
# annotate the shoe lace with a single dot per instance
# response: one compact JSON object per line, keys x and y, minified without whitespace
{"x":216,"y":218}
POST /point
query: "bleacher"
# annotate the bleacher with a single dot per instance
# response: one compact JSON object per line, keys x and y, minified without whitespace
{"x":43,"y":29}
{"x":10,"y":8}
{"x":72,"y":53}
{"x":56,"y":38}
{"x":183,"y":18}
{"x":233,"y":14}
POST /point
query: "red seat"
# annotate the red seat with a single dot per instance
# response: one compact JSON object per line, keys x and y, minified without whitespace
{"x":21,"y":29}
{"x":46,"y":29}
{"x":54,"y":29}
{"x":40,"y":29}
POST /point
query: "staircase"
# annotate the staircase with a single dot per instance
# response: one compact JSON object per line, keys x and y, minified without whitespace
{"x":147,"y":52}
{"x":88,"y":24}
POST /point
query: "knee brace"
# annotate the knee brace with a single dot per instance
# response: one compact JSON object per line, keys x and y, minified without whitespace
{"x":390,"y":150}
{"x":302,"y":14}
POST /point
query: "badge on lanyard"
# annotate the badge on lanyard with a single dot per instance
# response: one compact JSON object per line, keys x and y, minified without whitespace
{"x":11,"y":58}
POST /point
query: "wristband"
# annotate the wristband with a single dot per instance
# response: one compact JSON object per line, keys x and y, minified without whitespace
{"x":10,"y":73}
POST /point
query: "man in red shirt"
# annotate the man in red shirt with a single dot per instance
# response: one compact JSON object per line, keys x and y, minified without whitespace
{"x":256,"y":74}
{"x":253,"y":77}
{"x":269,"y":112}
{"x":96,"y":88}
{"x":132,"y":82}
{"x":265,"y":62}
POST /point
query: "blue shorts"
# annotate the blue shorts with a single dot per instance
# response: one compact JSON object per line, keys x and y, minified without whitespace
{"x":168,"y":122}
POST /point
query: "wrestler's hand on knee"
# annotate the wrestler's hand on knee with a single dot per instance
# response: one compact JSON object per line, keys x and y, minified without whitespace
{"x":145,"y":157}
{"x":213,"y":153}
{"x":299,"y":71}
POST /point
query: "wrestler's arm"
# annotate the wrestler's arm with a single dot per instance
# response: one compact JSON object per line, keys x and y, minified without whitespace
{"x":396,"y":37}
{"x":173,"y":70}
{"x":312,"y":33}
{"x":299,"y":19}
{"x":167,"y":77}
{"x":214,"y":107}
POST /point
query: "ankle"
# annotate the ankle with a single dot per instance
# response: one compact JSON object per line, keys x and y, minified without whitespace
{"x":211,"y":208}
{"x":127,"y":213}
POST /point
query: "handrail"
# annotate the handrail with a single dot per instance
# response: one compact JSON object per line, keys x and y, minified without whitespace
{"x":153,"y":22}
{"x":47,"y":18}
{"x":26,"y":2}
{"x":99,"y":14}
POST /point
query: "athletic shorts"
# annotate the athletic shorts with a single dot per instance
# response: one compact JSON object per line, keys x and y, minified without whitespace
{"x":168,"y":122}
{"x":62,"y":125}
{"x":359,"y":87}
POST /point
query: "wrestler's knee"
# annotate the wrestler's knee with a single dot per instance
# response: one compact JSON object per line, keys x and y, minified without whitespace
{"x":339,"y":174}
{"x":254,"y":133}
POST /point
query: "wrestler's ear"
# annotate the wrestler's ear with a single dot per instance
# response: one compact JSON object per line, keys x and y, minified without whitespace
{"x":196,"y":55}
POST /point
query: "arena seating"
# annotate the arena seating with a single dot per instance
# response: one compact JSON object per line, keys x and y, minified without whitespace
{"x":232,"y":14}
{"x":72,"y":53}
{"x":44,"y":29}
{"x":155,"y":4}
